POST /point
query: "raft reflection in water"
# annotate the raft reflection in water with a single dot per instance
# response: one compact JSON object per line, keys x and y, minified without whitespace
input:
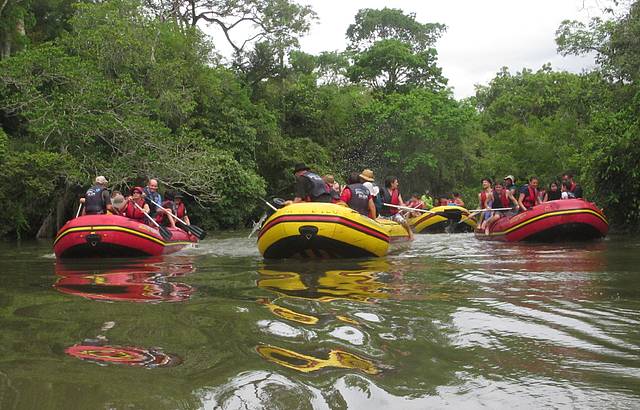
{"x":133,"y":356}
{"x":129,"y":281}
{"x":331,"y":285}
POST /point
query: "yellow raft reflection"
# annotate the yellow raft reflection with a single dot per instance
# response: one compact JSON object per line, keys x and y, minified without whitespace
{"x":359,"y":285}
{"x":306,"y":364}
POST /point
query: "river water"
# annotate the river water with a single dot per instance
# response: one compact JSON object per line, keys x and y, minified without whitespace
{"x":450,"y":322}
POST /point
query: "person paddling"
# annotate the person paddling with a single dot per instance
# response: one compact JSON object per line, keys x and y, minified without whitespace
{"x":150,"y":194}
{"x":97,"y":200}
{"x":136,"y":212}
{"x":164,"y":218}
{"x":179,"y":209}
{"x":502,"y":198}
{"x":391,"y":195}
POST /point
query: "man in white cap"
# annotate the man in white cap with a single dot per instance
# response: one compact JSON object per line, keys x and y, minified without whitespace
{"x":97,"y":200}
{"x":510,"y":184}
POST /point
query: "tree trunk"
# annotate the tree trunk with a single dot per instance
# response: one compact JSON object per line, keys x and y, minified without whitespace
{"x":5,"y":47}
{"x":64,"y":204}
{"x":46,"y":229}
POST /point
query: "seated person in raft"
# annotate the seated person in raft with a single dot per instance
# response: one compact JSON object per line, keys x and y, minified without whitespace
{"x":141,"y":211}
{"x":175,"y":205}
{"x":565,"y":192}
{"x":310,"y":187}
{"x":528,"y":197}
{"x":502,"y":198}
{"x":457,"y":199}
{"x":163,"y":218}
{"x":416,"y":203}
{"x":358,"y":197}
{"x":553,"y":193}
{"x":97,"y":200}
{"x":118,"y":203}
{"x":391,"y":195}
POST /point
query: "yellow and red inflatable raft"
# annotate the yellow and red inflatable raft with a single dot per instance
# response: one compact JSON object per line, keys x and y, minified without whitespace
{"x":553,"y":221}
{"x":450,"y":219}
{"x":112,"y":236}
{"x":323,"y":230}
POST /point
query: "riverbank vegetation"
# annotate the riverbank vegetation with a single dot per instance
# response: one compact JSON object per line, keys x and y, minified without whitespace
{"x":130,"y":89}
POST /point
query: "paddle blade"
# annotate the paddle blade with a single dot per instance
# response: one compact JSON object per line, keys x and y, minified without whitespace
{"x":197,"y":231}
{"x":194,"y":230}
{"x":165,"y":233}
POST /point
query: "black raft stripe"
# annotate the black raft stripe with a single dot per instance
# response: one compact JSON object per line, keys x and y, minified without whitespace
{"x":382,"y":236}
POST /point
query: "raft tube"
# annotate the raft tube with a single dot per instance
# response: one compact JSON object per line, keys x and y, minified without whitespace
{"x":553,"y":221}
{"x":323,"y":230}
{"x":443,"y":219}
{"x":112,"y":236}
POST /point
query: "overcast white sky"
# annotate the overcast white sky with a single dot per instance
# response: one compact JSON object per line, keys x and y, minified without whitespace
{"x":482,"y":35}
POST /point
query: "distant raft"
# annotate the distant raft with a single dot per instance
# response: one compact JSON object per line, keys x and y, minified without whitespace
{"x":443,"y":219}
{"x":553,"y":221}
{"x":322,"y":230}
{"x":112,"y":236}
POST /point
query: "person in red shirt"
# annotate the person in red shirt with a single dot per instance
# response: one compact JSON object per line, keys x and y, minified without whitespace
{"x":358,"y":197}
{"x":457,"y":199}
{"x":134,"y":212}
{"x":416,"y":203}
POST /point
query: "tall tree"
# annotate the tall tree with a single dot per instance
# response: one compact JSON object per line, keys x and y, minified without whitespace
{"x":393,"y":51}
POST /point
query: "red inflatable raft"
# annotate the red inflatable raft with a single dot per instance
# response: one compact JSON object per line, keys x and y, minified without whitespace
{"x":112,"y":236}
{"x":562,"y":220}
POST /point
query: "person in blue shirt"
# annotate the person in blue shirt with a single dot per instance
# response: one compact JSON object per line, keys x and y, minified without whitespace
{"x":150,"y":193}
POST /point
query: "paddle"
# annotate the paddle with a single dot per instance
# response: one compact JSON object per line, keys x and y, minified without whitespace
{"x":410,"y":209}
{"x":195,"y":230}
{"x":491,"y":209}
{"x":474,"y":212}
{"x":258,"y":225}
{"x":164,"y":232}
{"x":269,"y":204}
{"x":79,"y":208}
{"x":471,"y":215}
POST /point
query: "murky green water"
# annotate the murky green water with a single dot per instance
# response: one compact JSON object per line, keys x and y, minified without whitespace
{"x":450,"y":322}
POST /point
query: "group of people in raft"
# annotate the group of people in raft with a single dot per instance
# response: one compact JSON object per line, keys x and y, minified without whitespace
{"x":362,"y":194}
{"x":141,"y":205}
{"x":505,"y":199}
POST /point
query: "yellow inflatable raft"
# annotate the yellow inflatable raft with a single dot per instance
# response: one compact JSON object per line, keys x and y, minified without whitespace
{"x":313,"y":229}
{"x":443,"y":219}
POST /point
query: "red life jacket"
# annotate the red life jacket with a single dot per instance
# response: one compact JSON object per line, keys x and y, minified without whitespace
{"x":132,"y":212}
{"x":572,"y":187}
{"x":483,"y":199}
{"x":502,"y":200}
{"x":161,"y":216}
{"x":529,"y":201}
{"x":180,"y":211}
{"x":395,"y":200}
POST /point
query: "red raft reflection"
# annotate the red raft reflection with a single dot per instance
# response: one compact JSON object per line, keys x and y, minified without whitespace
{"x":130,"y":282}
{"x":123,"y":355}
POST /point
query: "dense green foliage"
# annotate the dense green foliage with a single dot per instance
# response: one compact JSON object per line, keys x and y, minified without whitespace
{"x":131,"y":90}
